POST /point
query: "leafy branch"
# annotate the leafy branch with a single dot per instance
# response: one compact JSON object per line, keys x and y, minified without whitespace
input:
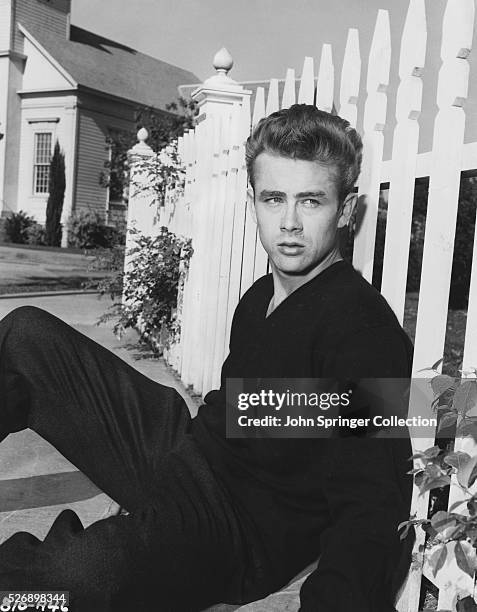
{"x":452,"y":532}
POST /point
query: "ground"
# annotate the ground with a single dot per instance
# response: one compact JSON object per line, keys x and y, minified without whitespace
{"x":26,"y":269}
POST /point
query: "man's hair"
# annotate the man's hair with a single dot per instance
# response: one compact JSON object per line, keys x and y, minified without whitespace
{"x":305,"y":132}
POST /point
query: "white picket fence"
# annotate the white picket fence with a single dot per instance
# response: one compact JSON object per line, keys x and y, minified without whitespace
{"x":228,"y":256}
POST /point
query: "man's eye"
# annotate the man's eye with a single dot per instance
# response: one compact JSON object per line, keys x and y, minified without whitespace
{"x":310,"y":203}
{"x":274,"y":201}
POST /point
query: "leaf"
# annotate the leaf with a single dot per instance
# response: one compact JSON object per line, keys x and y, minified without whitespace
{"x":448,"y":420}
{"x":442,"y":521}
{"x":404,"y":526}
{"x":437,"y":364}
{"x":457,"y":459}
{"x":419,"y":478}
{"x":429,"y":529}
{"x":432,"y":452}
{"x":437,"y":558}
{"x":472,"y":506}
{"x":465,"y":398}
{"x":465,"y":557}
{"x":436,"y":483}
{"x":468,"y":427}
{"x":434,"y":471}
{"x":456,"y":504}
{"x":442,"y":383}
{"x":414,"y":471}
{"x":466,"y":473}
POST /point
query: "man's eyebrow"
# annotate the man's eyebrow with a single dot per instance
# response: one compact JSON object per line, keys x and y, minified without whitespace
{"x":266,"y":193}
{"x":311,"y":194}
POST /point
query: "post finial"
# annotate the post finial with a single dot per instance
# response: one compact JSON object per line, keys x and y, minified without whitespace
{"x":223,"y":61}
{"x":141,"y":147}
{"x":142,"y":135}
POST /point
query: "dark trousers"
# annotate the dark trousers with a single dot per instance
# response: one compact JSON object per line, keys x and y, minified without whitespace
{"x":181,"y":547}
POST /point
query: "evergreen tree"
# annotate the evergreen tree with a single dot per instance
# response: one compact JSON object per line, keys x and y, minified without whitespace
{"x":56,"y":188}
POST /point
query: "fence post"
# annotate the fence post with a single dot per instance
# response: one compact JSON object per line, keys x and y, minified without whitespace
{"x":141,"y":213}
{"x":218,"y":98}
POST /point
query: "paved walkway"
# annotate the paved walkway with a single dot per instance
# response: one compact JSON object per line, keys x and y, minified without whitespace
{"x":37,"y":482}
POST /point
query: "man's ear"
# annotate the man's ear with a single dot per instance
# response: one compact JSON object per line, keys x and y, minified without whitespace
{"x":347,"y":209}
{"x":251,"y":203}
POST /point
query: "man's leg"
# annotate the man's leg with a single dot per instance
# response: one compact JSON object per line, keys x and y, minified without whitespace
{"x":129,"y":435}
{"x":104,"y":416}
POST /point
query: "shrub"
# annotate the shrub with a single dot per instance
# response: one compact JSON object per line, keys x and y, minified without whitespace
{"x":451,"y":533}
{"x":17,"y":226}
{"x":89,"y":231}
{"x":36,"y":235}
{"x":151,"y":284}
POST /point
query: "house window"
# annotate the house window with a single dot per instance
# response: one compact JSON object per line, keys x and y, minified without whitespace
{"x":41,"y":162}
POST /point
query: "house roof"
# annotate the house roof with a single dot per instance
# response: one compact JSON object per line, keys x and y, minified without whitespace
{"x":113,"y":68}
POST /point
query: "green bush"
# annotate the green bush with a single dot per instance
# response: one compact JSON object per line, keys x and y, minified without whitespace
{"x":89,"y":231}
{"x":36,"y":235}
{"x":17,"y":226}
{"x":150,"y":285}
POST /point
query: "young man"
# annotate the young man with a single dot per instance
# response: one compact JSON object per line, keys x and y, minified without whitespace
{"x":213,"y":518}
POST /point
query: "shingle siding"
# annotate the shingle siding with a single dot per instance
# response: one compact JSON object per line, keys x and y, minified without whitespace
{"x":39,"y":15}
{"x":5,"y":24}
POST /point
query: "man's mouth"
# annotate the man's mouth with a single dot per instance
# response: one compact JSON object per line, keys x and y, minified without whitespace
{"x":291,"y":248}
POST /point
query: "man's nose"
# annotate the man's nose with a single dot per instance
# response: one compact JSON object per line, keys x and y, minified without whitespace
{"x":291,"y":221}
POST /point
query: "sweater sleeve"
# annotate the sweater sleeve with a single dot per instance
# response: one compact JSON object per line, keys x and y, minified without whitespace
{"x":368,"y":493}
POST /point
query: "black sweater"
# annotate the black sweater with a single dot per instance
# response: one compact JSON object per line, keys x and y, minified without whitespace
{"x":341,"y":498}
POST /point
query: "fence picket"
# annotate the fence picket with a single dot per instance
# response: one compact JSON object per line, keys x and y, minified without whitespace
{"x":260,"y":258}
{"x":272,"y":98}
{"x":237,"y":243}
{"x":289,"y":92}
{"x":189,"y":155}
{"x":325,"y":84}
{"x":196,"y":272}
{"x":404,"y":155}
{"x":218,"y":230}
{"x":232,"y":169}
{"x":373,"y":141}
{"x":350,"y":78}
{"x":208,"y":278}
{"x":306,"y":93}
{"x":259,"y":106}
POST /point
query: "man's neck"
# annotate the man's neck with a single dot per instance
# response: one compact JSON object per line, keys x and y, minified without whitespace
{"x":283,"y":285}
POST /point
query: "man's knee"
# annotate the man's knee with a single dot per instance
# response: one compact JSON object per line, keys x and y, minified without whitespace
{"x":24,"y":315}
{"x":28,"y":321}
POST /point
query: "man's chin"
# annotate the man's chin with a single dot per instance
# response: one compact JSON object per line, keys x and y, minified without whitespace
{"x":293,"y":269}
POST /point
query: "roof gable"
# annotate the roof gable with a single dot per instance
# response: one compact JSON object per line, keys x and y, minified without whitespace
{"x":113,"y":68}
{"x":42,"y":72}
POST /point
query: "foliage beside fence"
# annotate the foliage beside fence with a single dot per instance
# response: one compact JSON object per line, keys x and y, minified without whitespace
{"x":146,"y":295}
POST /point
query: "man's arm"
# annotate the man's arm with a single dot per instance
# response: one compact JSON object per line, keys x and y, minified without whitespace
{"x":362,"y":560}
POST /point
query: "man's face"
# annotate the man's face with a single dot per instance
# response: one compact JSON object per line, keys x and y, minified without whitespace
{"x":297,"y":210}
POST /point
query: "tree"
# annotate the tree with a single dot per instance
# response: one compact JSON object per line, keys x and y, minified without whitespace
{"x":56,"y":188}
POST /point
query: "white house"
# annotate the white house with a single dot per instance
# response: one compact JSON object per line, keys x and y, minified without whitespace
{"x":58,"y":81}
